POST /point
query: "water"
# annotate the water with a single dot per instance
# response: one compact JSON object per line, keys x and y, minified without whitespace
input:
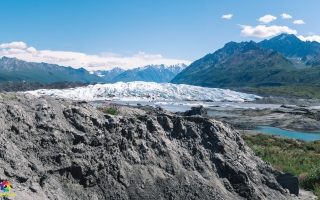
{"x":292,"y":134}
{"x":220,"y":114}
{"x":181,"y":106}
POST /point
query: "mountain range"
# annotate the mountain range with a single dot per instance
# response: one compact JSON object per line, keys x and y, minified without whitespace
{"x":150,"y":73}
{"x":15,"y":70}
{"x":236,"y":65}
{"x":248,"y":64}
{"x":12,"y":69}
{"x":108,"y":75}
{"x":284,"y":60}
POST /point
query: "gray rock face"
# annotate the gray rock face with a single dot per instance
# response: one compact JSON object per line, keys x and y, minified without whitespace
{"x":290,"y":182}
{"x":56,"y":149}
{"x":198,"y":110}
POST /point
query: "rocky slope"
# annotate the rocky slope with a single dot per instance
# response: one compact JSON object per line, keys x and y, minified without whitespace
{"x":56,"y":149}
{"x":299,"y":52}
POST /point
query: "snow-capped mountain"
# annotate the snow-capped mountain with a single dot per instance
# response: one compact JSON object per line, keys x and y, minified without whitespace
{"x":108,"y":75}
{"x":145,"y":91}
{"x":150,"y":73}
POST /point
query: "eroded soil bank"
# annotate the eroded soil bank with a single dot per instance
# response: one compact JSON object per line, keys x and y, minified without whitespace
{"x":59,"y":149}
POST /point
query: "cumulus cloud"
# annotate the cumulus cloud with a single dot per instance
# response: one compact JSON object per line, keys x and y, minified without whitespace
{"x":286,"y":16}
{"x":263,"y":31}
{"x":104,"y":61}
{"x":299,"y":21}
{"x":14,"y":45}
{"x":267,"y":19}
{"x":310,"y":38}
{"x":31,"y":50}
{"x":229,"y":16}
{"x":143,"y":55}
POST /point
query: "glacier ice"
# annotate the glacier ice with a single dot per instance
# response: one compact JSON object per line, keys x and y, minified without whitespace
{"x":146,"y":91}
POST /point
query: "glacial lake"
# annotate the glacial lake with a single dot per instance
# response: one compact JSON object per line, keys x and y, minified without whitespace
{"x":181,"y":106}
{"x":291,"y":134}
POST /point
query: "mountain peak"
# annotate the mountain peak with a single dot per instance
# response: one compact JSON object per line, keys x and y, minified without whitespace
{"x":151,"y":73}
{"x":299,"y":52}
{"x":286,"y":37}
{"x":247,"y":46}
{"x":5,"y":58}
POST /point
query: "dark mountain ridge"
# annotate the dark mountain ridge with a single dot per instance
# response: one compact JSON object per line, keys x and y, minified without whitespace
{"x":150,"y":73}
{"x":236,"y":65}
{"x":27,"y":86}
{"x":12,"y":69}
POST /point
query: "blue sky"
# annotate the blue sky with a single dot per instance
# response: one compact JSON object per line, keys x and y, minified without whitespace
{"x":102,"y":34}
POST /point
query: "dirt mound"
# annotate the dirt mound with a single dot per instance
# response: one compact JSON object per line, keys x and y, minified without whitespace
{"x":57,"y":149}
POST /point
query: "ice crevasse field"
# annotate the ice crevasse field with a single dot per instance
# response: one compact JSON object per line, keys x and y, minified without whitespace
{"x":173,"y":97}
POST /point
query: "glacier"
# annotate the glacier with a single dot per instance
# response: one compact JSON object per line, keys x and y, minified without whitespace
{"x":146,"y":91}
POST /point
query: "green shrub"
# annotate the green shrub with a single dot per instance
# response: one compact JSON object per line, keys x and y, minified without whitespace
{"x":110,"y":108}
{"x":312,"y":181}
{"x":10,"y":97}
{"x":310,"y":147}
{"x":287,"y":155}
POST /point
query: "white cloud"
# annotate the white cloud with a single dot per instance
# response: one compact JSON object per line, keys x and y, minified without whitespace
{"x":31,"y":50}
{"x":286,"y":16}
{"x":229,"y":16}
{"x":310,"y":38}
{"x":267,"y":19}
{"x":14,"y":45}
{"x":16,"y":51}
{"x":263,"y":31}
{"x":104,"y":61}
{"x":299,"y":21}
{"x":143,"y":55}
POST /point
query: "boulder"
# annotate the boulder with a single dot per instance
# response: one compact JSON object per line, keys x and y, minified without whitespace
{"x":198,"y":110}
{"x":290,"y":182}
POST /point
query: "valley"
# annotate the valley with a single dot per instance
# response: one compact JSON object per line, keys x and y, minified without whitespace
{"x":265,"y":68}
{"x":248,"y":93}
{"x":160,"y":100}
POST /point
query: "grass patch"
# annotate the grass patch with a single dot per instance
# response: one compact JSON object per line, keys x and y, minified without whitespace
{"x":287,"y":91}
{"x":298,"y":157}
{"x":109,"y":108}
{"x":9,"y":97}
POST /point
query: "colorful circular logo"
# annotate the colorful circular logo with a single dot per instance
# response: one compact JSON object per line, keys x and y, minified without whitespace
{"x":5,"y":186}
